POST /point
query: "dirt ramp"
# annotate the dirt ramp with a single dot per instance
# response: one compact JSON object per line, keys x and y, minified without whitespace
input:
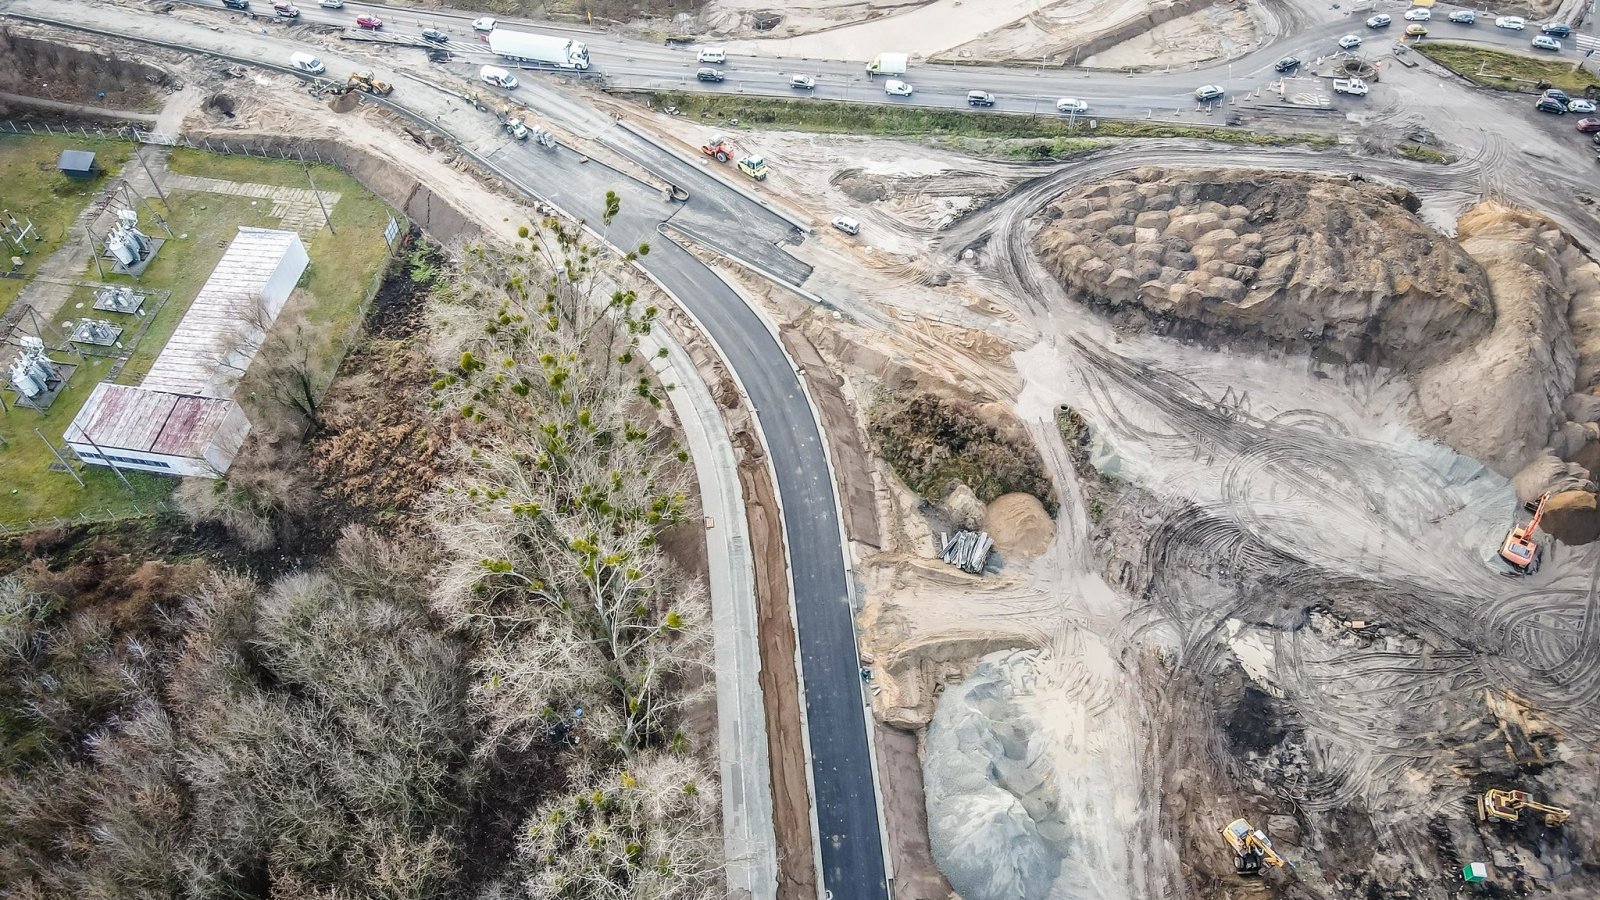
{"x":1345,"y":268}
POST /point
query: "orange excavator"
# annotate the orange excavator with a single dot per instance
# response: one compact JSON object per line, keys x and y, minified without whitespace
{"x":1519,"y":550}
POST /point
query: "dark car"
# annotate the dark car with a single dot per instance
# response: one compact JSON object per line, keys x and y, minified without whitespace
{"x":435,"y":35}
{"x":710,"y":74}
{"x":1287,"y":64}
{"x":1557,"y":95}
{"x":1551,"y":105}
{"x":980,"y":98}
{"x":236,"y":4}
{"x":1557,"y":29}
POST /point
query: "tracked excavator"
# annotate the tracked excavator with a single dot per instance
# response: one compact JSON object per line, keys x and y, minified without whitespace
{"x":1519,"y":550}
{"x":1251,"y":848}
{"x":1507,"y":806}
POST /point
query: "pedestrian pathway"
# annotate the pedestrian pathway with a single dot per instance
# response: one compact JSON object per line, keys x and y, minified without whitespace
{"x":295,"y":208}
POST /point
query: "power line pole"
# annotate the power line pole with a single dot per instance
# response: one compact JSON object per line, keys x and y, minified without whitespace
{"x":325,"y":217}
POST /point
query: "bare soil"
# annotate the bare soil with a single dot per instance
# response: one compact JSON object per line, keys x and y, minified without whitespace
{"x":71,"y":74}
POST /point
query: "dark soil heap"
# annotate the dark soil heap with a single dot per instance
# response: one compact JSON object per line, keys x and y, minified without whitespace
{"x":1337,"y":265}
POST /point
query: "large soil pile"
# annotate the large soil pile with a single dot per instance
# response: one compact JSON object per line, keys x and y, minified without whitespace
{"x":1293,"y":259}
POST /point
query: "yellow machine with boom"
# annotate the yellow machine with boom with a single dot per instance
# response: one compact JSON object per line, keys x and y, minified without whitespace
{"x":1507,"y":806}
{"x":1251,"y":848}
{"x":1519,"y":550}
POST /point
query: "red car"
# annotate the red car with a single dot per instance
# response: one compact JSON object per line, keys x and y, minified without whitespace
{"x":1589,"y":126}
{"x":372,"y":22}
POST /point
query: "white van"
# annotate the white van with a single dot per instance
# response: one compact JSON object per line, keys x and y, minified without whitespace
{"x":305,"y":62}
{"x":713,"y":55}
{"x":498,"y":77}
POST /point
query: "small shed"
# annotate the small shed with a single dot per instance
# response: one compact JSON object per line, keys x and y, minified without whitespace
{"x":77,"y":164}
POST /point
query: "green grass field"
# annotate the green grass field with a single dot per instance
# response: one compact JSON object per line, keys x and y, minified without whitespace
{"x":31,"y":188}
{"x":1507,"y":71}
{"x":343,"y":268}
{"x":861,"y":118}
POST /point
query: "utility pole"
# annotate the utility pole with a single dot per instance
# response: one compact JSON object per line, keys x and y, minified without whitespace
{"x":57,"y":454}
{"x":120,"y":477}
{"x":139,"y":155}
{"x":325,"y":217}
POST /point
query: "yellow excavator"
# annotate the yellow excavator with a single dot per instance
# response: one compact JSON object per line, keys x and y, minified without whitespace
{"x":1251,"y":848}
{"x":1507,"y":806}
{"x":1518,"y":549}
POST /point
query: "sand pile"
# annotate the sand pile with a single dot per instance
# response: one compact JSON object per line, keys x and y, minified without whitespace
{"x":1300,"y":261}
{"x":1019,"y":525}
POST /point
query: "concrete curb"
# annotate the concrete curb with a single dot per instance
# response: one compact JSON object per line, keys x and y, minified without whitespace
{"x":768,"y":205}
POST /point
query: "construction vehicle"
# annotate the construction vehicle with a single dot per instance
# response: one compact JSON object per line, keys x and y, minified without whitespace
{"x":755,"y":167}
{"x":366,"y":81}
{"x":718,"y":149}
{"x":1353,"y":86}
{"x":1519,"y":550}
{"x":515,"y":127}
{"x":1506,"y":806}
{"x":1251,"y":848}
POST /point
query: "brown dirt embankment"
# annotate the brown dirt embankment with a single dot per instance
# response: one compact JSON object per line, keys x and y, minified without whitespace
{"x":1344,"y":268}
{"x":69,"y":74}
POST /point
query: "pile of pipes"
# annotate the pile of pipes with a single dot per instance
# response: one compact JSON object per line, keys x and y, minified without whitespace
{"x":967,"y":550}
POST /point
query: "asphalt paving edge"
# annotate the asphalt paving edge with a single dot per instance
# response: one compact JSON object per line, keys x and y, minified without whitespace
{"x":736,"y":187}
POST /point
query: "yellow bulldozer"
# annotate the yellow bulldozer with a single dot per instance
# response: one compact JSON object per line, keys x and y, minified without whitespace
{"x":1507,"y":806}
{"x":1251,"y":848}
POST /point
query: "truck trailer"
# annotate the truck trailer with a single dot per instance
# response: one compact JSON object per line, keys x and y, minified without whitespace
{"x":888,"y":64}
{"x":523,"y":46}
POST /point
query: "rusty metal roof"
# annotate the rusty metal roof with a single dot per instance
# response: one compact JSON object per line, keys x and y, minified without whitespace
{"x":135,"y":418}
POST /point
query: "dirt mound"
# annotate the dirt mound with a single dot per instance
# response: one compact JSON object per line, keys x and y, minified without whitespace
{"x":1340,"y":266}
{"x":1572,"y":517}
{"x":1019,"y":525}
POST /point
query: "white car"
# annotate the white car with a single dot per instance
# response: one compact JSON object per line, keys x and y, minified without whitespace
{"x":1350,"y":42}
{"x":803,"y":82}
{"x":1418,"y":14}
{"x":1072,"y":105}
{"x":1546,"y":42}
{"x":1207,"y":92}
{"x":846,"y":224}
{"x":1580,"y":105}
{"x":1515,"y":23}
{"x":484,"y":24}
{"x":331,"y":4}
{"x":897,"y":88}
{"x":1379,"y":21}
{"x":713,"y":55}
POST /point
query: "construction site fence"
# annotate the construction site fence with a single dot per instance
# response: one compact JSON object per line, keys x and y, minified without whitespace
{"x":91,"y":516}
{"x":311,"y":154}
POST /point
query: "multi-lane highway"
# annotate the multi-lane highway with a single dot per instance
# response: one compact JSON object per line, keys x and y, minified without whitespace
{"x":625,"y":63}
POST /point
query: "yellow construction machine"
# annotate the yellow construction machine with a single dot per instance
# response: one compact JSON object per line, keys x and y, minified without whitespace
{"x":1507,"y":806}
{"x":1251,"y":848}
{"x":366,"y":81}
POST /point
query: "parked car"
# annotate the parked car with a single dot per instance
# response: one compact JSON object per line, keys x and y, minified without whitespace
{"x":1551,"y":105}
{"x":1418,"y":14}
{"x":1416,"y":30}
{"x":1558,"y":94}
{"x":712,"y":55}
{"x":486,"y":23}
{"x":1072,"y":105}
{"x":1546,"y":42}
{"x":896,"y":88}
{"x":1464,"y":17}
{"x":803,"y":82}
{"x":435,"y":35}
{"x":846,"y":224}
{"x":1514,"y":23}
{"x":285,"y":10}
{"x":1379,"y":21}
{"x":1287,"y":64}
{"x":1207,"y":92}
{"x":1350,"y":42}
{"x":980,"y":98}
{"x":372,"y":22}
{"x":1589,"y":126}
{"x":1556,"y":29}
{"x":1581,"y":105}
{"x":236,"y":4}
{"x":706,"y":73}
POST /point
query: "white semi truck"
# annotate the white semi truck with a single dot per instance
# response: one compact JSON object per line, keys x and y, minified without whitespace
{"x":888,"y":64}
{"x":523,"y":46}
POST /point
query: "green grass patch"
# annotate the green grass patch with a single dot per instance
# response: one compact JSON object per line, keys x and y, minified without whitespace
{"x":1425,"y":154}
{"x":869,"y":118}
{"x":1054,"y":148}
{"x":1507,"y":71}
{"x":343,"y":268}
{"x":32,"y":188}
